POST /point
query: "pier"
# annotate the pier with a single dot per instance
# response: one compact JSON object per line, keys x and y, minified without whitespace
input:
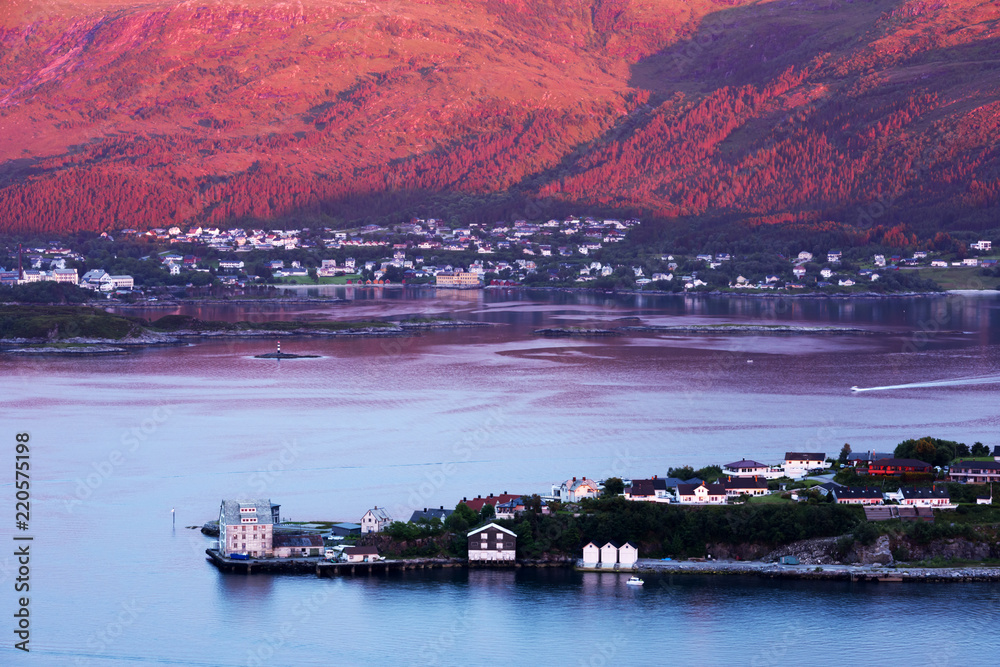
{"x":331,"y":569}
{"x":322,"y":567}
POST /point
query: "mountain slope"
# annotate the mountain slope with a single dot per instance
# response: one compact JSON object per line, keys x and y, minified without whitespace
{"x":880,"y":115}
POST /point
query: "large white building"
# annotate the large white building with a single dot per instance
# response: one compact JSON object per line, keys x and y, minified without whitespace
{"x":246,"y":527}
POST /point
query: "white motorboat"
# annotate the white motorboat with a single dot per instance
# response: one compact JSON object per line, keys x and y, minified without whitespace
{"x":635,"y":581}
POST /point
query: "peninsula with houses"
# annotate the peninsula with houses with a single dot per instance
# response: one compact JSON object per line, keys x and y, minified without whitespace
{"x":857,"y":515}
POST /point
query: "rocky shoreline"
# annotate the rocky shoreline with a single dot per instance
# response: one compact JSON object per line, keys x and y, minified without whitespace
{"x":108,"y":346}
{"x":445,"y":324}
{"x":776,"y":329}
{"x":576,"y":333}
{"x":840,"y":572}
{"x":365,"y":332}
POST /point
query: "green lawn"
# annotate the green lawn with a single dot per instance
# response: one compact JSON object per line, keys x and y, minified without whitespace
{"x":960,"y":278}
{"x":770,"y":499}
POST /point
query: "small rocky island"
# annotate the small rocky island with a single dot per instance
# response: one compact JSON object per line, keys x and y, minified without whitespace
{"x":285,"y":355}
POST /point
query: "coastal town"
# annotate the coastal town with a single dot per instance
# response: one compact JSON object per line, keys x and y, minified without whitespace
{"x":573,"y":251}
{"x":894,"y":488}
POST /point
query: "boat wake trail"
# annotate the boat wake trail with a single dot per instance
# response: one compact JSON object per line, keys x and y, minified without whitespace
{"x":957,"y":382}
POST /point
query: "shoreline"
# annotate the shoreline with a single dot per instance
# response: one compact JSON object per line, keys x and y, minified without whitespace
{"x":871,"y":573}
{"x":323,"y":568}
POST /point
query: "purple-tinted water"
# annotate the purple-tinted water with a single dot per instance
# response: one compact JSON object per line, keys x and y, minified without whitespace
{"x":424,"y":421}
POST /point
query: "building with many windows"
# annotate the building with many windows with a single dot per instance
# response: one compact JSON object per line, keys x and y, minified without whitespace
{"x":975,"y":472}
{"x":246,"y":527}
{"x":457,"y":279}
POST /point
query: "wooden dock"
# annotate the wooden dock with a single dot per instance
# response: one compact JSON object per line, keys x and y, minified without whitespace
{"x":381,"y":567}
{"x":325,"y":568}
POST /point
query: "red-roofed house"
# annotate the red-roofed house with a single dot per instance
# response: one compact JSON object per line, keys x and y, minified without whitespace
{"x":887,"y":467}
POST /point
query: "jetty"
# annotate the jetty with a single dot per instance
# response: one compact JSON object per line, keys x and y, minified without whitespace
{"x":767,"y":570}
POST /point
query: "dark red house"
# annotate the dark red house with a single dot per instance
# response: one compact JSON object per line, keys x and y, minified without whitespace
{"x":892,"y":467}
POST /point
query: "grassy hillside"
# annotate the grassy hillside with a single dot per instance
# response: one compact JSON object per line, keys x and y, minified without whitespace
{"x":61,"y":322}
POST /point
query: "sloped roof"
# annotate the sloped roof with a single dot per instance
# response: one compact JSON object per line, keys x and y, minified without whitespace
{"x":805,"y":456}
{"x":360,"y":551}
{"x":490,"y":525}
{"x":858,"y":492}
{"x":902,"y":463}
{"x":476,"y":504}
{"x":713,"y":489}
{"x":297,"y":540}
{"x":232,"y":516}
{"x":745,"y":463}
{"x":924,"y":492}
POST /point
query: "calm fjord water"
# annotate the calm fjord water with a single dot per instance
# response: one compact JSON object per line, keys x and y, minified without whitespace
{"x":424,"y":421}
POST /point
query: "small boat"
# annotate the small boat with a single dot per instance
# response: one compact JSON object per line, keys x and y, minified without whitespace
{"x":855,"y":388}
{"x":635,"y":581}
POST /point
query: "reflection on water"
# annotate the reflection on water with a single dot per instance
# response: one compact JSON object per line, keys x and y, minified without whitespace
{"x":926,"y":316}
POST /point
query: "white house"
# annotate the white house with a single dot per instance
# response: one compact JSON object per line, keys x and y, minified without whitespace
{"x":936,"y":496}
{"x":95,"y":278}
{"x":375,"y":520}
{"x":591,"y":555}
{"x":609,"y":555}
{"x":574,"y":490}
{"x":361,"y":554}
{"x":701,"y":494}
{"x":797,"y":464}
{"x":628,"y":555}
{"x":745,"y":468}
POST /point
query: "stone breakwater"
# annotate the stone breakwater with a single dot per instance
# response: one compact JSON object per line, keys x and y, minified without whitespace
{"x":824,"y":572}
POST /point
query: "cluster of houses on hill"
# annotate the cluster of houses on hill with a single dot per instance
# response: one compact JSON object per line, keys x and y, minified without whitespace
{"x":562,"y":250}
{"x":421,"y":233}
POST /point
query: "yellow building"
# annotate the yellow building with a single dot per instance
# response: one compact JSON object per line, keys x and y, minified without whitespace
{"x":457,"y":279}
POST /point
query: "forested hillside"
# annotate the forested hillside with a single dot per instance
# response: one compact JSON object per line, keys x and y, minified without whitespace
{"x":876,"y":119}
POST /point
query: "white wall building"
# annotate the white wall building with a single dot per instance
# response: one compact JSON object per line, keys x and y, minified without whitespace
{"x":375,"y":520}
